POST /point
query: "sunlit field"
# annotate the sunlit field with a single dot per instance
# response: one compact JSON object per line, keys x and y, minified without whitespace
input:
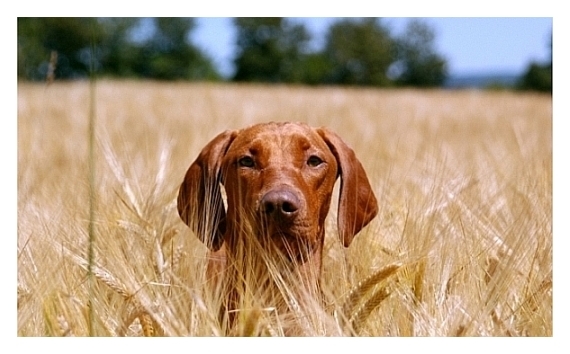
{"x":462,"y":244}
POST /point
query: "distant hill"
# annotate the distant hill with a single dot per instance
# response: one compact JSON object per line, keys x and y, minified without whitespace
{"x":482,"y":80}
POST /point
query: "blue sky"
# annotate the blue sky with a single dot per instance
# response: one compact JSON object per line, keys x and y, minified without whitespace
{"x":470,"y":45}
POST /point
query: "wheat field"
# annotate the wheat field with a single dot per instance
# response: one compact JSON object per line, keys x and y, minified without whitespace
{"x":462,"y":245}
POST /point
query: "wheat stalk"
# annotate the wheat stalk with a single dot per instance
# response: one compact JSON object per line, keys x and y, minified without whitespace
{"x":356,"y":294}
{"x":50,"y":75}
{"x":149,"y":326}
{"x":23,"y":295}
{"x":169,"y":235}
{"x":362,"y":288}
{"x":363,"y":312}
{"x":250,"y":325}
{"x":176,"y":257}
{"x":64,"y":327}
{"x":107,"y":278}
{"x":469,"y":131}
{"x":120,"y":175}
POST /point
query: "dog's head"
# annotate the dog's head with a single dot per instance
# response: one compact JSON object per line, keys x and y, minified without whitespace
{"x":278,"y":179}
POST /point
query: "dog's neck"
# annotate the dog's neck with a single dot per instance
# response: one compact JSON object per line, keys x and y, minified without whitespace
{"x":253,"y":277}
{"x":254,"y":258}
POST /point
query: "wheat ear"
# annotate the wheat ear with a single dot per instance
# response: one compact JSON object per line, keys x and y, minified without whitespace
{"x":64,"y":327}
{"x":363,"y":312}
{"x":357,"y":293}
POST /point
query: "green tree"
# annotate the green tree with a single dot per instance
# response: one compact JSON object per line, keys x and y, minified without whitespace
{"x":167,"y":54}
{"x":538,"y":76}
{"x":417,"y":62}
{"x":315,"y":69}
{"x":358,"y":52}
{"x":270,"y":49}
{"x":117,"y":53}
{"x":69,"y":37}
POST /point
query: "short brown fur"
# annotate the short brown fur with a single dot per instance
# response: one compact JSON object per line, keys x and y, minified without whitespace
{"x":279,"y":179}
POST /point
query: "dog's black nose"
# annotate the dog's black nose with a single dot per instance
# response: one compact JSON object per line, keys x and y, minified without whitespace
{"x":280,"y":204}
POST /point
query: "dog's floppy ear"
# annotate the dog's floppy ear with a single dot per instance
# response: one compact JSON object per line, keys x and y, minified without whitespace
{"x":357,"y":204}
{"x":200,"y":203}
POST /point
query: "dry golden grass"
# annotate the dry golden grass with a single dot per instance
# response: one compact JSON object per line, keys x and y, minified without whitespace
{"x":462,"y":245}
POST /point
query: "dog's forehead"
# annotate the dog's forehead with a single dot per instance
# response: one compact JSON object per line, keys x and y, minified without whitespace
{"x":282,"y":135}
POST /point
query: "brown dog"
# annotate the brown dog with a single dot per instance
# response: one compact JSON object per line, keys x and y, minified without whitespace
{"x":278,"y":179}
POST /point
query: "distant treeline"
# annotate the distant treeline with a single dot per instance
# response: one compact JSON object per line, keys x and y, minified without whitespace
{"x":356,"y":52}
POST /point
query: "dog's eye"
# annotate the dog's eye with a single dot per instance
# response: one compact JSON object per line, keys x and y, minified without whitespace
{"x":246,"y":161}
{"x":314,"y":161}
